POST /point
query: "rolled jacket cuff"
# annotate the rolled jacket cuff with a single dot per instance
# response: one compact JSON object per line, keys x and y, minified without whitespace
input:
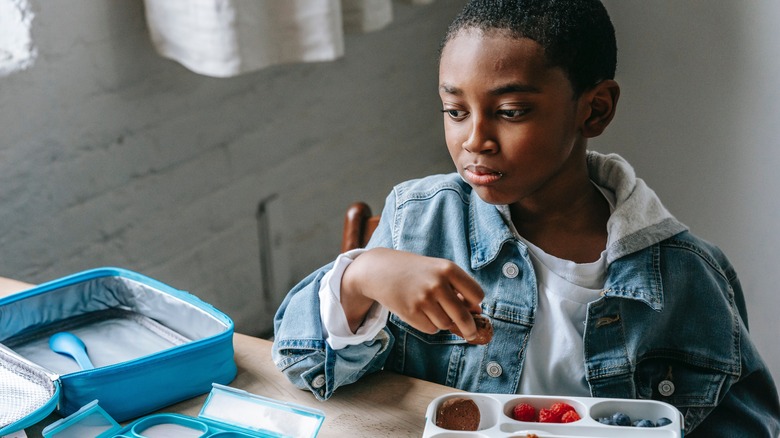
{"x":335,"y":327}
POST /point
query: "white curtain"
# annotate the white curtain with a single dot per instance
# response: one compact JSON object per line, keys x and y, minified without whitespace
{"x":224,"y":38}
{"x":17,"y":51}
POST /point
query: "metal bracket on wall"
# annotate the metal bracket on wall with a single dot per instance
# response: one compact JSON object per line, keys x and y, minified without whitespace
{"x":265,"y":245}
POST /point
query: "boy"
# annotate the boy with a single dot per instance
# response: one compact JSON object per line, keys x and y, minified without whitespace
{"x":592,"y":287}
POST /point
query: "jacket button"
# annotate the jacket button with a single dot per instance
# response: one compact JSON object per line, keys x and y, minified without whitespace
{"x":318,"y":381}
{"x":510,"y":270}
{"x":666,"y":388}
{"x":493,"y":369}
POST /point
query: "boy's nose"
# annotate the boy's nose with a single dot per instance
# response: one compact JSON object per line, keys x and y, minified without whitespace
{"x":481,"y":139}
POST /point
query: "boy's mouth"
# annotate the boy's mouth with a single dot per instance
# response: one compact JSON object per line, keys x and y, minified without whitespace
{"x":480,"y":175}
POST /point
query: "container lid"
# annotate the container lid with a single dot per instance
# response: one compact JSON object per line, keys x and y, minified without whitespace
{"x":89,"y":421}
{"x":28,"y":393}
{"x":253,"y":412}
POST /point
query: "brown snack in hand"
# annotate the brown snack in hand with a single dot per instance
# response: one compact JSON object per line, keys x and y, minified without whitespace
{"x":484,"y":330}
{"x":458,"y":413}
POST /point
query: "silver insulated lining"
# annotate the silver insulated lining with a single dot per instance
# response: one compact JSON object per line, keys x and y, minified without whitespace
{"x":23,"y":389}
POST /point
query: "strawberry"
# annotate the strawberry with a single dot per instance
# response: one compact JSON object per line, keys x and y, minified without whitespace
{"x":524,"y":412}
{"x":570,"y":416}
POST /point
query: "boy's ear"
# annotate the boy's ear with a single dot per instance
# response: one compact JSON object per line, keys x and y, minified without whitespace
{"x":600,"y":105}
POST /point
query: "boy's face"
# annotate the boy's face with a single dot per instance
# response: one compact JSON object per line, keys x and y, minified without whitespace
{"x":510,"y":121}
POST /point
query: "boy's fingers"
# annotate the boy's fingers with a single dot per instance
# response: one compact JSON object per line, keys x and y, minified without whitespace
{"x":473,"y":308}
{"x":460,"y":316}
{"x":438,"y":316}
{"x":467,"y":289}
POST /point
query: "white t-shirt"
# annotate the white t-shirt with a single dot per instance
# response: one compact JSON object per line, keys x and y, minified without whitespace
{"x":554,"y":360}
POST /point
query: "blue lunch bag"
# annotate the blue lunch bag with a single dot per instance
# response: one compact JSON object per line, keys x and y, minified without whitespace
{"x":151,"y":346}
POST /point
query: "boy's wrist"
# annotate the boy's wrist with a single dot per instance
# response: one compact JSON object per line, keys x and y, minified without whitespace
{"x":355,"y":304}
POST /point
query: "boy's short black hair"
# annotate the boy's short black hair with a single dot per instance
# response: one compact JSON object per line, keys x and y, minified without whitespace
{"x":577,"y":35}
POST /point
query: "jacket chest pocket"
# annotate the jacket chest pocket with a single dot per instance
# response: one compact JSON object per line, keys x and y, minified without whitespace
{"x":694,"y":388}
{"x":448,"y":359}
{"x":425,"y":356}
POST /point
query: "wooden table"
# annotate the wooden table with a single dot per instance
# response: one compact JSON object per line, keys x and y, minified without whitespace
{"x":385,"y":404}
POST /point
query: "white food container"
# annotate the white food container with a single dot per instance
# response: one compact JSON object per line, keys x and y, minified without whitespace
{"x":496,"y":419}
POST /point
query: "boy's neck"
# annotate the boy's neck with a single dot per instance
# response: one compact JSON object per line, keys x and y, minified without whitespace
{"x":573,"y":227}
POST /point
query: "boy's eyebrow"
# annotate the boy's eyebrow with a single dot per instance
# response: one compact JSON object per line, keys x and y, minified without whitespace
{"x":515,"y":88}
{"x":449,"y":89}
{"x":503,"y":89}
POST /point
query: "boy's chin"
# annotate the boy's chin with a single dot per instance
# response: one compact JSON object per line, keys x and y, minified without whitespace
{"x":492,"y":196}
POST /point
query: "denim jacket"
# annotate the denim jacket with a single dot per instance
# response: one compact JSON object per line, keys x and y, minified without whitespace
{"x":670,"y":324}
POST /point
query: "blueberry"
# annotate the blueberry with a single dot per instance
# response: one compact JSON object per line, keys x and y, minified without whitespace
{"x":663,"y":421}
{"x":621,"y":419}
{"x":607,"y":421}
{"x":643,"y":423}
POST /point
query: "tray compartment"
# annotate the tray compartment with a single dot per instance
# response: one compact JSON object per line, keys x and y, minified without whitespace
{"x":489,"y":409}
{"x":542,"y":403}
{"x":161,"y":426}
{"x":636,"y":409}
{"x":230,"y":435}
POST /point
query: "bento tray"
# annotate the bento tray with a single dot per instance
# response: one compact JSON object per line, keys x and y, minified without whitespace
{"x":496,"y":419}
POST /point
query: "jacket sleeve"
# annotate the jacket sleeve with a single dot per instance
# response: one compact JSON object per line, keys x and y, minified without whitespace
{"x":750,"y":407}
{"x":302,"y":354}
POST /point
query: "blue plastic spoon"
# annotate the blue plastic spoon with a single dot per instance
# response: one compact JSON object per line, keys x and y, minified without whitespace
{"x":71,"y":345}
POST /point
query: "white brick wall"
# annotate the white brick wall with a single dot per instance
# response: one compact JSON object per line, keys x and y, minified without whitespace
{"x":111,"y":155}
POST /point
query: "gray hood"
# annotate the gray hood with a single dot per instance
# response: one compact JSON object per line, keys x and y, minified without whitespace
{"x":639,"y":219}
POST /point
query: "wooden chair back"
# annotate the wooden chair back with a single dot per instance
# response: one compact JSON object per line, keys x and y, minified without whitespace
{"x":359,"y":225}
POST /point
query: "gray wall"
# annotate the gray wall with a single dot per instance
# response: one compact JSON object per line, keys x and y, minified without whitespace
{"x":698,"y":119}
{"x":110,"y":155}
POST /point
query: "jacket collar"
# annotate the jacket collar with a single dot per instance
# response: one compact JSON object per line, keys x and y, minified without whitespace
{"x":639,"y":219}
{"x":487,"y":232}
{"x":637,"y":276}
{"x":636,"y":227}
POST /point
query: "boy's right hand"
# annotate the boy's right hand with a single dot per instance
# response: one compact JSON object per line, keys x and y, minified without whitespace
{"x":429,"y":293}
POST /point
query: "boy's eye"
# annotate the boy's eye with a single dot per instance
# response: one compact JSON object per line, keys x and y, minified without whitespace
{"x":513,"y":113}
{"x":455,"y":114}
